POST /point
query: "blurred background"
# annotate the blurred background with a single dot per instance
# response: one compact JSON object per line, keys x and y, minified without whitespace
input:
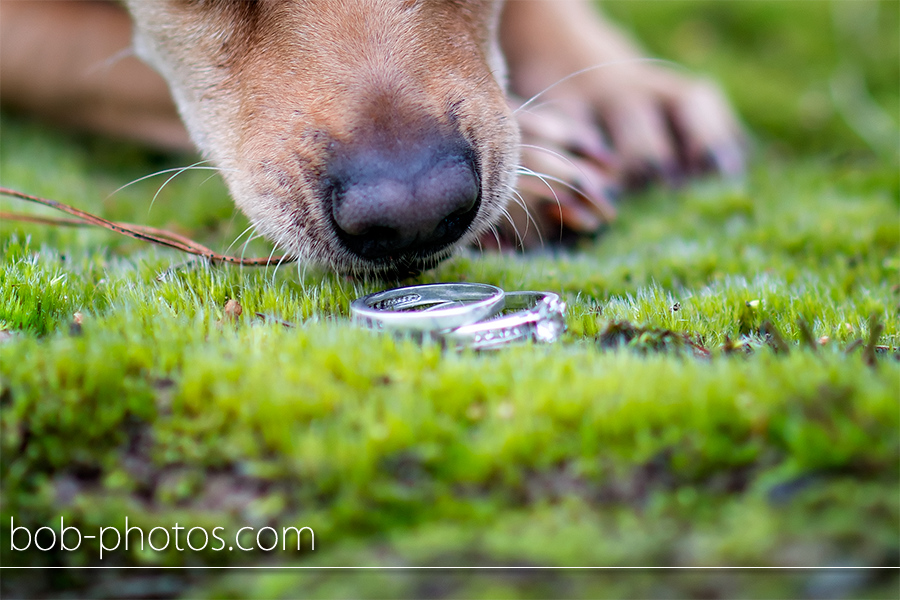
{"x":807,"y":76}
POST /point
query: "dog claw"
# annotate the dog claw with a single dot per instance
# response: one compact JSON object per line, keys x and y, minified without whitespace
{"x":728,"y":160}
{"x":642,"y":174}
{"x":579,"y":218}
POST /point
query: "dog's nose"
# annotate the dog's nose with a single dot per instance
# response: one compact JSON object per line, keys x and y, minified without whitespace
{"x":411,"y":201}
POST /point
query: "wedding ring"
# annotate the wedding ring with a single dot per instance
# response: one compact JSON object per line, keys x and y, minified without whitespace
{"x":428,"y":308}
{"x":538,"y":317}
{"x":463,"y":315}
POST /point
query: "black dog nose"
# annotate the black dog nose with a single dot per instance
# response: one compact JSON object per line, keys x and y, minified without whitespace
{"x":412,"y":201}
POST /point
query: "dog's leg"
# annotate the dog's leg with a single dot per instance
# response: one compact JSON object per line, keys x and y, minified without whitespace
{"x":660,"y":123}
{"x":70,"y":62}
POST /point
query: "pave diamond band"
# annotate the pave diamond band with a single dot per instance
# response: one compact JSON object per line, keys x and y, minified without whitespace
{"x":535,"y":317}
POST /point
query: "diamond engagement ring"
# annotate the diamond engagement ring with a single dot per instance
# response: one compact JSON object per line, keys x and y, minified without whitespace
{"x":537,"y":317}
{"x":431,"y":307}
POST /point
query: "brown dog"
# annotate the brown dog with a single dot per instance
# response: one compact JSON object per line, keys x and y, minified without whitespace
{"x":375,"y":136}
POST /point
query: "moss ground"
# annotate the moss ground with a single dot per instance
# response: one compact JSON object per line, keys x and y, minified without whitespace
{"x":694,"y":414}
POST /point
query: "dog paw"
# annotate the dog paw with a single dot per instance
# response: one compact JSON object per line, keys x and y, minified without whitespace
{"x":568,"y":179}
{"x":662,"y":125}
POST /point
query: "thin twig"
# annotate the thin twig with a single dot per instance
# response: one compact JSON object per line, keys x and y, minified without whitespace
{"x":144,"y":233}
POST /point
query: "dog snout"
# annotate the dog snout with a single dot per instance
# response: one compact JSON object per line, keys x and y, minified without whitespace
{"x":391,"y":200}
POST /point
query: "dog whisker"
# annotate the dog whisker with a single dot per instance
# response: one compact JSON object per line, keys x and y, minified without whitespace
{"x":271,"y":254}
{"x":173,"y":176}
{"x":302,"y":266}
{"x":200,"y":165}
{"x":567,"y":160}
{"x":493,"y":230}
{"x":562,"y":182}
{"x":106,"y":65}
{"x":283,"y":257}
{"x":519,"y":239}
{"x":477,"y":241}
{"x":603,"y":65}
{"x":520,"y":200}
{"x":535,"y":108}
{"x":529,"y":218}
{"x":250,"y":239}
{"x":555,"y":154}
{"x":207,"y":179}
{"x":546,"y":179}
{"x":242,"y":234}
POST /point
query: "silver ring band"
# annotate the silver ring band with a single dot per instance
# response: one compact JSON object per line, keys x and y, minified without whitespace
{"x":446,"y":306}
{"x":539,"y":317}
